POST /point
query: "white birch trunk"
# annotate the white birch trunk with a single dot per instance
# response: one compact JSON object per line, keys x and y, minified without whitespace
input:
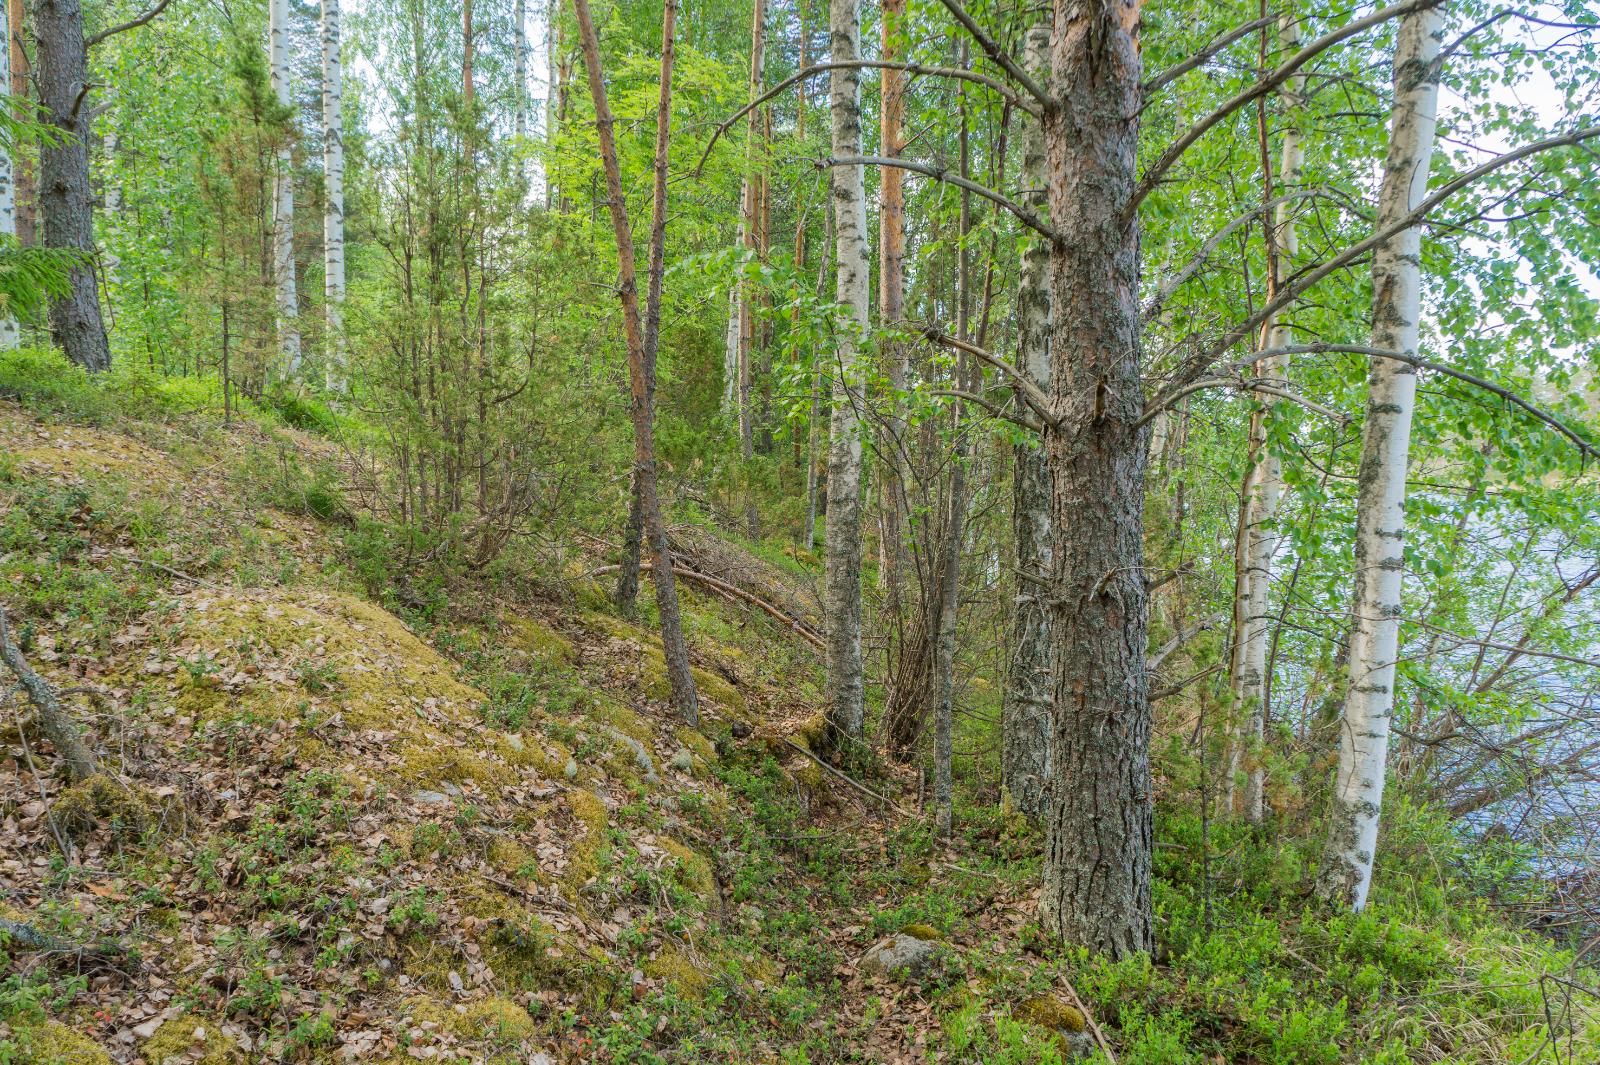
{"x":1264,"y":485}
{"x":111,"y":196}
{"x":519,"y":67}
{"x":333,"y":183}
{"x":283,"y":198}
{"x":9,"y":333}
{"x":842,"y":557}
{"x":1346,"y":873}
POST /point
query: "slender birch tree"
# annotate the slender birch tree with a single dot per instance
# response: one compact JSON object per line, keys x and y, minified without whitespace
{"x":1346,"y":873}
{"x":1264,"y":469}
{"x":643,"y":333}
{"x":842,"y":551}
{"x":9,"y":333}
{"x":333,"y":186}
{"x":283,"y":266}
{"x":1025,"y":711}
{"x":519,"y":68}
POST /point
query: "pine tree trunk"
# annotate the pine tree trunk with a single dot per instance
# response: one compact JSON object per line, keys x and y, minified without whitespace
{"x":842,"y":559}
{"x":1025,"y":713}
{"x":1346,"y":872}
{"x":333,"y":184}
{"x":9,"y":333}
{"x":1098,"y":854}
{"x":66,"y":202}
{"x":283,"y":265}
{"x":643,"y":332}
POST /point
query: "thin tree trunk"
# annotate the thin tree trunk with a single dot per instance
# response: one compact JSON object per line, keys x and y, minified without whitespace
{"x":955,"y":521}
{"x":643,"y":334}
{"x":627,"y":594}
{"x":54,"y":721}
{"x":1025,"y":711}
{"x":891,"y":306}
{"x":519,"y":68}
{"x":842,"y":562}
{"x":283,"y":264}
{"x":750,"y":209}
{"x":9,"y":333}
{"x":468,"y":90}
{"x":1098,"y":855}
{"x":66,"y":202}
{"x":26,"y":194}
{"x":1264,"y":484}
{"x":1346,"y":873}
{"x":333,"y":187}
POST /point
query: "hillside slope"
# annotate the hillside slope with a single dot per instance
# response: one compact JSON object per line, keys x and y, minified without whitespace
{"x":330,"y":834}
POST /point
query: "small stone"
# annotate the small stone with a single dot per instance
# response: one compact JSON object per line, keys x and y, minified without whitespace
{"x":147,"y":1029}
{"x":514,"y":740}
{"x":899,"y":953}
{"x":430,"y":798}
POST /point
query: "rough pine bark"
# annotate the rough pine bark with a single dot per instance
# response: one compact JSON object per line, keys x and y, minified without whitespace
{"x":642,"y":335}
{"x":1097,"y":868}
{"x":1346,"y":873}
{"x":283,"y":266}
{"x":8,"y":194}
{"x":842,"y":552}
{"x":333,"y":185}
{"x":1264,"y":479}
{"x":66,"y":203}
{"x":1025,"y":712}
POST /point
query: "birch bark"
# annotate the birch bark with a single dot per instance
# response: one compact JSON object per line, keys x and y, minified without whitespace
{"x":1346,"y":873}
{"x":842,"y":561}
{"x":1264,"y":482}
{"x":333,"y":185}
{"x":9,"y":334}
{"x":283,"y":266}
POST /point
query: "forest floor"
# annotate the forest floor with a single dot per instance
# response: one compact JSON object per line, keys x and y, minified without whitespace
{"x":475,"y":832}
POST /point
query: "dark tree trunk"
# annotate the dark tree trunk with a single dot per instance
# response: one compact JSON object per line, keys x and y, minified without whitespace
{"x":65,"y":202}
{"x":1098,"y":856}
{"x":643,"y":331}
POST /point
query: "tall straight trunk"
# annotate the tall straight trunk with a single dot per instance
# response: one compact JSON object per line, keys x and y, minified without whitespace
{"x":66,"y":202}
{"x":750,"y":208}
{"x":111,"y":200}
{"x":944,"y":670}
{"x":1025,"y":712}
{"x":815,"y":440}
{"x":333,"y":189}
{"x":643,"y":334}
{"x":283,"y":266}
{"x":25,"y":193}
{"x":1346,"y":872}
{"x":1097,"y":866}
{"x":9,"y":335}
{"x":842,"y":561}
{"x":891,"y":302}
{"x":1264,"y":479}
{"x":519,"y":68}
{"x":468,"y":92}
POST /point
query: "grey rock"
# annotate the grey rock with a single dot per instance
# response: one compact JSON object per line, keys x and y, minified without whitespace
{"x":430,"y":798}
{"x":900,"y":953}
